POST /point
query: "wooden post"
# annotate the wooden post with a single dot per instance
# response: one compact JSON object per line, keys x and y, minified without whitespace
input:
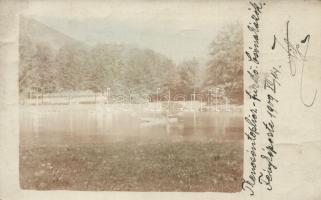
{"x":37,"y":97}
{"x":216,"y":99}
{"x":107,"y":95}
{"x":30,"y":97}
{"x":41,"y":96}
{"x":169,"y":100}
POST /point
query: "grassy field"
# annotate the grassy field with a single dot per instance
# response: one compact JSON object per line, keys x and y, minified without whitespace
{"x":183,"y":166}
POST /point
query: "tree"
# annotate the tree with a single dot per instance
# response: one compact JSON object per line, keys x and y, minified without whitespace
{"x":72,"y":63}
{"x":189,"y":76}
{"x":36,"y":68}
{"x":225,"y":68}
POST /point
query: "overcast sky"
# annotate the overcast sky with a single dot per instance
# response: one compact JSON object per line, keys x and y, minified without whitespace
{"x":177,"y":30}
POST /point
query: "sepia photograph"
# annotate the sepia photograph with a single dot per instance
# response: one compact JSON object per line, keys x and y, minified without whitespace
{"x":140,"y":98}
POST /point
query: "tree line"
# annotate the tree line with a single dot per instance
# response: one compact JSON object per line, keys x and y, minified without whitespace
{"x":125,"y":69}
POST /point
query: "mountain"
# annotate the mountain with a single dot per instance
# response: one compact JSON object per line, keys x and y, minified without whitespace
{"x":51,"y":61}
{"x":38,"y":47}
{"x":35,"y":32}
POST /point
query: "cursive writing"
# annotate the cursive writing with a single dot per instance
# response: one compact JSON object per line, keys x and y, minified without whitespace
{"x":296,"y":53}
{"x":271,"y":83}
{"x":251,"y":133}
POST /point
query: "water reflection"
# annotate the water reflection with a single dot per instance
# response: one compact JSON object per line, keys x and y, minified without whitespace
{"x":74,"y":124}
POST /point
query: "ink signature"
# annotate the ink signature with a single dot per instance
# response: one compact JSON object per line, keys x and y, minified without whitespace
{"x":296,"y":53}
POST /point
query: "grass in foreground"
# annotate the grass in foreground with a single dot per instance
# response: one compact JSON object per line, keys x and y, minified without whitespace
{"x":215,"y":167}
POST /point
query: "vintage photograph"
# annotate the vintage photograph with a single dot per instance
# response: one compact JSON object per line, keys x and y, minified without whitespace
{"x":143,"y":98}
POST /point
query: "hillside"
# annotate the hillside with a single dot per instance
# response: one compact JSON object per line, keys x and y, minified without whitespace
{"x":33,"y":31}
{"x":52,"y":62}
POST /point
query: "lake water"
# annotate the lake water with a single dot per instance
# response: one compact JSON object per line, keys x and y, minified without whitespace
{"x":79,"y":124}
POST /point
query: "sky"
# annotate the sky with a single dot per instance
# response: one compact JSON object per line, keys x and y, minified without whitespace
{"x":178,"y":30}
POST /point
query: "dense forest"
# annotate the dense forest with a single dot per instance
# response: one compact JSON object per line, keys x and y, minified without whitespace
{"x":125,"y":69}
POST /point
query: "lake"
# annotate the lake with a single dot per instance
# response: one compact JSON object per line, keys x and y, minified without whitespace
{"x":77,"y":124}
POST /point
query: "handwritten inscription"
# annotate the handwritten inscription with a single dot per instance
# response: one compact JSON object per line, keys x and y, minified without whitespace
{"x":251,"y":133}
{"x":271,"y":83}
{"x":296,"y":54}
{"x":261,"y":119}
